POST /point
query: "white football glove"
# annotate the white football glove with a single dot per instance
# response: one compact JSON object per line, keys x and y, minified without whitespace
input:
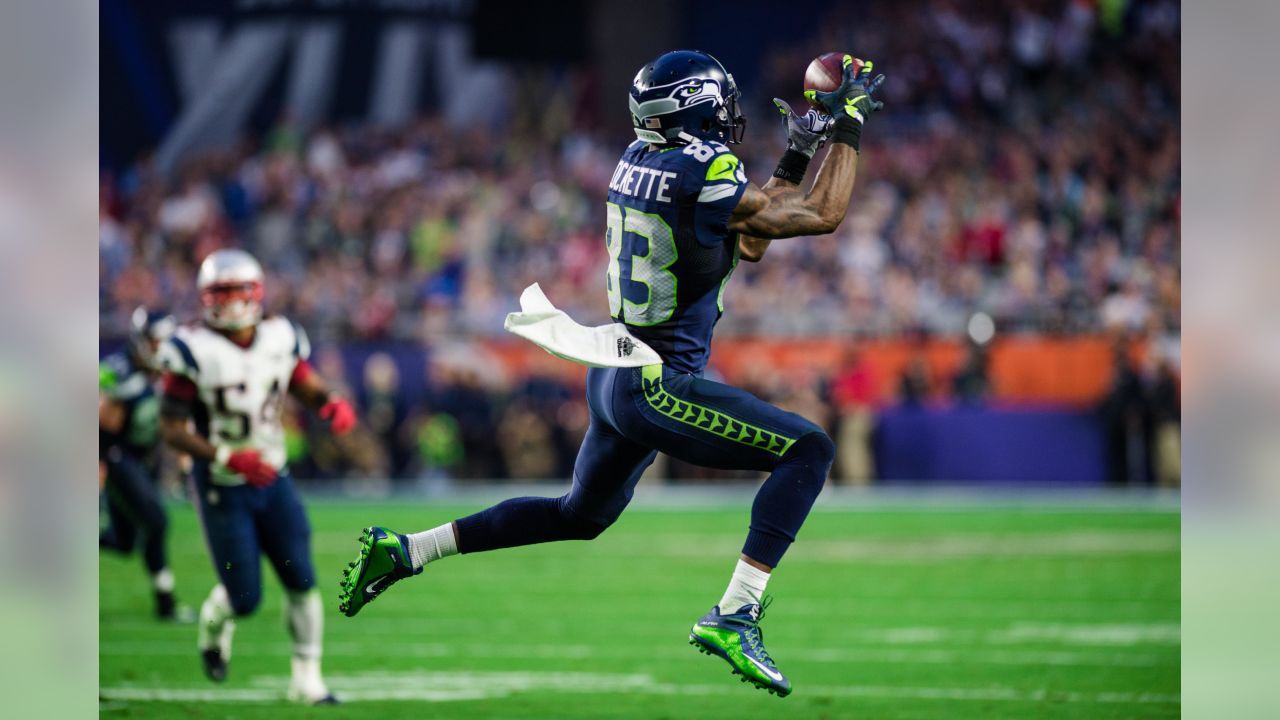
{"x":805,"y":133}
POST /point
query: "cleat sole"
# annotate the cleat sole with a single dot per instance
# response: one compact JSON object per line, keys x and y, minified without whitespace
{"x":742,"y":677}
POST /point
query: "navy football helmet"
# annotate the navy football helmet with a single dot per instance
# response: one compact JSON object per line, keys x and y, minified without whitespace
{"x":147,"y":330}
{"x":685,"y":95}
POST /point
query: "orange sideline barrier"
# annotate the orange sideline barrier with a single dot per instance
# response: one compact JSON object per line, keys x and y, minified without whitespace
{"x":1032,"y":369}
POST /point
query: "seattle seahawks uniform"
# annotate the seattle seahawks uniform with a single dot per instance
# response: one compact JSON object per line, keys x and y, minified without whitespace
{"x":671,"y":253}
{"x":235,"y":396}
{"x":671,"y":256}
{"x":134,"y":507}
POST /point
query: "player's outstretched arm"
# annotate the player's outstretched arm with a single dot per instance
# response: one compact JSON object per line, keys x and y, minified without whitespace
{"x":787,"y":211}
{"x":312,"y":391}
{"x":806,"y":134}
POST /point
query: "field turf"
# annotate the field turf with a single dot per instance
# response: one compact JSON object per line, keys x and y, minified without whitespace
{"x":973,"y":612}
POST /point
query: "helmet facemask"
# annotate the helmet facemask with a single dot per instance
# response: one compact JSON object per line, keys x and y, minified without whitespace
{"x":730,"y":115}
{"x":231,"y":289}
{"x":232,"y":305}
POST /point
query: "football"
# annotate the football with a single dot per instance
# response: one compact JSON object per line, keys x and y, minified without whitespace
{"x":824,"y":72}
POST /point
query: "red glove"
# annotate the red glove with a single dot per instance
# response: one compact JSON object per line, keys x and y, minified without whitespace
{"x":251,"y":465}
{"x":340,"y":414}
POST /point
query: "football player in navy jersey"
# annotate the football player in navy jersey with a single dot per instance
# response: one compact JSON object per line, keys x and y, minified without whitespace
{"x":680,"y":216}
{"x":128,"y":436}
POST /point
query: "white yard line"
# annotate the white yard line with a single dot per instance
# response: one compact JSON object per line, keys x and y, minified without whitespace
{"x":1150,"y":635}
{"x":455,"y":686}
{"x":927,"y":550}
{"x":1110,"y":634}
{"x":836,"y":656}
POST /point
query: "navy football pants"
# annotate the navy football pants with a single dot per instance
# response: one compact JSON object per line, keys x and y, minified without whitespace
{"x":135,"y":510}
{"x":241,"y":522}
{"x":637,"y":412}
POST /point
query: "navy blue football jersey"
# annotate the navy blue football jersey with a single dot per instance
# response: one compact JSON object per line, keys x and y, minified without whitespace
{"x":121,"y":380}
{"x":670,"y":250}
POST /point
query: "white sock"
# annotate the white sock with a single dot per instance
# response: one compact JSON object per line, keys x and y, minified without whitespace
{"x":304,"y":617}
{"x":216,"y":626}
{"x":162,"y":581}
{"x":305,"y":683}
{"x":431,"y":545}
{"x":746,"y":587}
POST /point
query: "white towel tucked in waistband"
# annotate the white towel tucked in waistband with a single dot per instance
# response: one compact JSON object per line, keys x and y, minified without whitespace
{"x":553,"y":330}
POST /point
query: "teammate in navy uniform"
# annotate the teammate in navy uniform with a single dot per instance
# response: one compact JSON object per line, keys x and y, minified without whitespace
{"x":128,"y":435}
{"x":680,"y":216}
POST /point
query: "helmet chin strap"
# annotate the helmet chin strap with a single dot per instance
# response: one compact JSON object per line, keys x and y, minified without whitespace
{"x":687,"y":137}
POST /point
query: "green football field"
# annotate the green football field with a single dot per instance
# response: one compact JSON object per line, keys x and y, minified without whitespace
{"x":880,"y":612}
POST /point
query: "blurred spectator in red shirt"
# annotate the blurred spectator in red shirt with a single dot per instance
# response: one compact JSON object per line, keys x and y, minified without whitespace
{"x":856,"y":395}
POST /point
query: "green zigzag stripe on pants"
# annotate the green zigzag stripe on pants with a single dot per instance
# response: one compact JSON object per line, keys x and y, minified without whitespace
{"x":706,"y":418}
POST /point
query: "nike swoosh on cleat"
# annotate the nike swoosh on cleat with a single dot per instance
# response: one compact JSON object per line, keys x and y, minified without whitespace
{"x":371,"y":590}
{"x":777,"y":676}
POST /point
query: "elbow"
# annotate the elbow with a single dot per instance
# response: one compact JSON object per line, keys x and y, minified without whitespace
{"x":830,"y":220}
{"x":752,"y":249}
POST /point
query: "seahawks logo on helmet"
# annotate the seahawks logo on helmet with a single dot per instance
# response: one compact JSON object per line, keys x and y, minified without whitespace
{"x":681,"y":95}
{"x":685,"y":93}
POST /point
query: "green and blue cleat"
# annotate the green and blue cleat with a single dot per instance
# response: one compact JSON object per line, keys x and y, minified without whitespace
{"x":383,"y":561}
{"x":737,"y":639}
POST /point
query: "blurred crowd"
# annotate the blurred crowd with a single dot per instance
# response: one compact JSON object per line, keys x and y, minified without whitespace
{"x":1026,"y":166}
{"x":468,"y":417}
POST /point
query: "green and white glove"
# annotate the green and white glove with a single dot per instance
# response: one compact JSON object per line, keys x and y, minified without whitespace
{"x":854,"y":96}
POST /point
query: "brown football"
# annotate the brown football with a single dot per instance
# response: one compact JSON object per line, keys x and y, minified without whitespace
{"x":825,"y":72}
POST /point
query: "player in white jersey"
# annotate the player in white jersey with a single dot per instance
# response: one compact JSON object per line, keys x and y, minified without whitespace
{"x":224,"y":390}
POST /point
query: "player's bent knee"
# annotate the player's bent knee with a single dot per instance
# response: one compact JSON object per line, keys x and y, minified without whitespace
{"x":244,"y":602}
{"x":301,"y":581}
{"x":813,"y":444}
{"x":825,"y":447}
{"x":579,"y":527}
{"x":578,"y":523}
{"x":813,"y":449}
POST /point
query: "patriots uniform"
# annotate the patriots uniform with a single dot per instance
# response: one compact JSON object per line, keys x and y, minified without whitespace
{"x":235,"y":396}
{"x":240,"y":391}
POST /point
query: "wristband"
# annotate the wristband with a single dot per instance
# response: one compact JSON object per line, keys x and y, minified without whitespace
{"x":848,"y":130}
{"x":792,"y":167}
{"x":222,"y":455}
